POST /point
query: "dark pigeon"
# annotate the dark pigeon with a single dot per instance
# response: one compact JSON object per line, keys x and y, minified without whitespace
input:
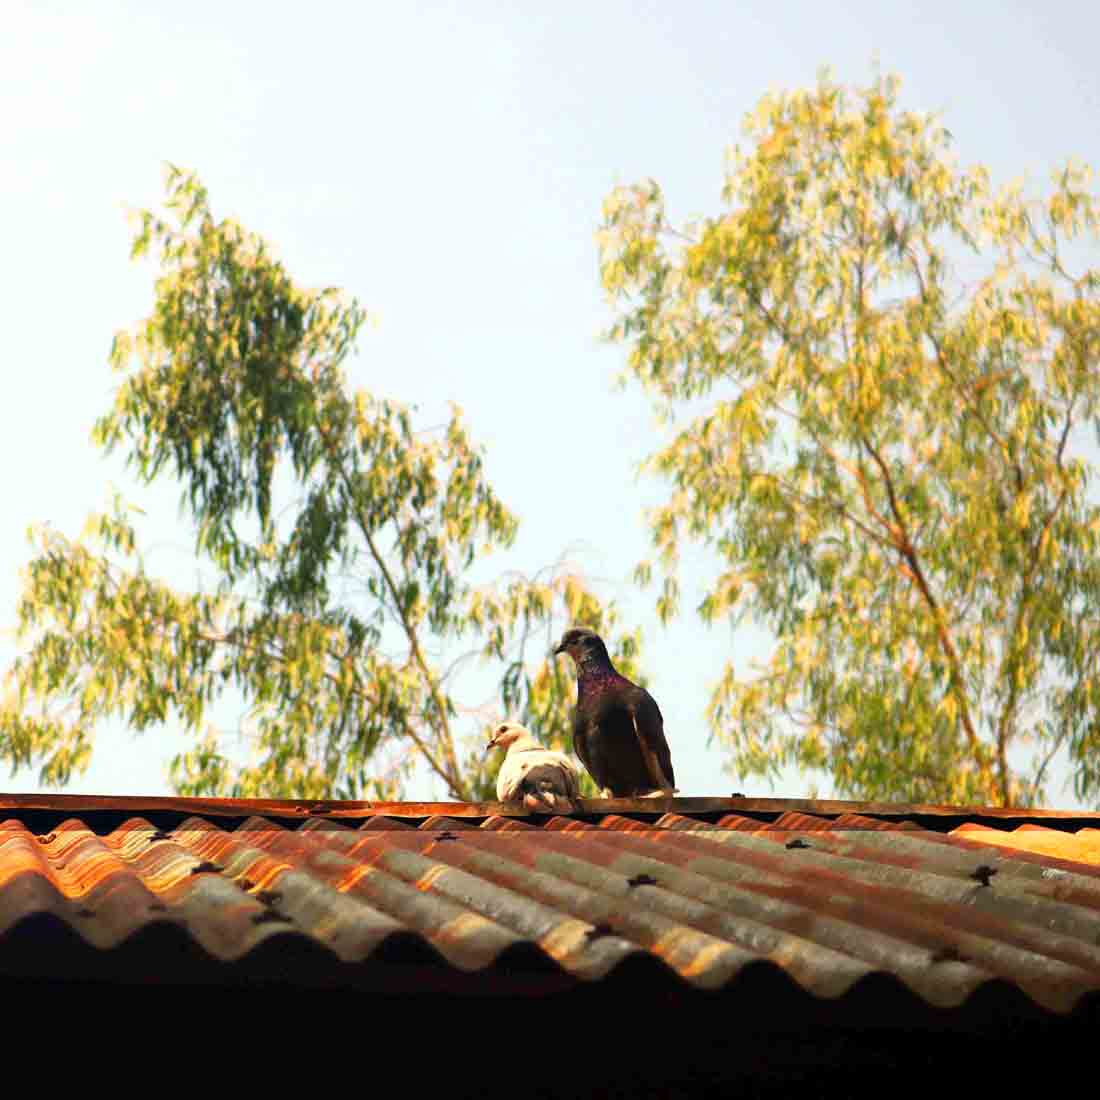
{"x":618,"y":732}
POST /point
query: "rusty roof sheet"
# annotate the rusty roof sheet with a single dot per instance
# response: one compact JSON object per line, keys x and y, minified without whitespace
{"x":943,"y":901}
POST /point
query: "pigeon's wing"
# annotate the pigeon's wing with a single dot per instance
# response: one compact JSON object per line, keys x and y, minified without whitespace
{"x":536,"y":772}
{"x":591,"y":747}
{"x":581,"y":747}
{"x":651,"y":730}
{"x":510,"y":779}
{"x":570,"y":774}
{"x":549,"y":782}
{"x":546,"y":776}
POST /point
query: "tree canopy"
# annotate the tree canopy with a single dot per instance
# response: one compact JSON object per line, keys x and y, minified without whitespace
{"x":881,"y":379}
{"x":342,"y":535}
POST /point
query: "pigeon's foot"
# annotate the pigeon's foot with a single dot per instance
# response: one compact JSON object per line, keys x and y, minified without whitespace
{"x":548,"y":804}
{"x":666,"y":792}
{"x":607,"y":792}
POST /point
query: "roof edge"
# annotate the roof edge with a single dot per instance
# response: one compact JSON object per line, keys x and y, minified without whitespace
{"x":345,"y":810}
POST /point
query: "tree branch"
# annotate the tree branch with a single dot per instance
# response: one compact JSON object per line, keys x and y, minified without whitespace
{"x":232,"y":640}
{"x":1012,"y":652}
{"x":941,"y":362}
{"x":909,"y":553}
{"x":453,"y":780}
{"x":1037,"y":782}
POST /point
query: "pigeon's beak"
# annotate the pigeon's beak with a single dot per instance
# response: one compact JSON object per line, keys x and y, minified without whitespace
{"x":559,"y":649}
{"x":489,"y":747}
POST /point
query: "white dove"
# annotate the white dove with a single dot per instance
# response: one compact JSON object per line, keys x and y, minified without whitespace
{"x":543,"y":780}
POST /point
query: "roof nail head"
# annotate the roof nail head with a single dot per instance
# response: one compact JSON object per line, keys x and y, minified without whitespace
{"x":641,"y":880}
{"x":798,"y":842}
{"x":948,"y":953}
{"x":600,"y":930}
{"x":206,"y":865}
{"x":267,"y":916}
{"x":983,"y":874}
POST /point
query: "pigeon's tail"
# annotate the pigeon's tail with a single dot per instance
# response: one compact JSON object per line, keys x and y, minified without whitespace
{"x":544,"y":791}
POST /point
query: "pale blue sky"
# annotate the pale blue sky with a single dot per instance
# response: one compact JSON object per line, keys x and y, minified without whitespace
{"x":446,"y":164}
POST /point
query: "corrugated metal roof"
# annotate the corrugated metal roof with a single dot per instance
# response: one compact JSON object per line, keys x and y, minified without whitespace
{"x":946,"y":902}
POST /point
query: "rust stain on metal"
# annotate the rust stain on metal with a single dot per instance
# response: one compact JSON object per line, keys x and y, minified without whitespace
{"x":828,"y":892}
{"x":429,"y":876}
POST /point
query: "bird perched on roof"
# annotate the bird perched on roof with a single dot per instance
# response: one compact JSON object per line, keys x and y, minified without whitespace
{"x":543,"y":780}
{"x":618,"y":731}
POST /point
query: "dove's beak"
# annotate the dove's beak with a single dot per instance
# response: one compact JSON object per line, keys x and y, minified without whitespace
{"x":559,"y":649}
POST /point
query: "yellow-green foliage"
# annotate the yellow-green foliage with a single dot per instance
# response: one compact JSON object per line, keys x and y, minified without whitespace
{"x":235,"y":377}
{"x":893,"y":365}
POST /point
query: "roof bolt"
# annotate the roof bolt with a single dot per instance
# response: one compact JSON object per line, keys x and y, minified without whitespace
{"x":983,"y":874}
{"x":266,"y":916}
{"x":446,"y":835}
{"x":599,"y":930}
{"x":798,"y":842}
{"x":641,"y":880}
{"x":160,"y":834}
{"x":948,"y":953}
{"x":206,"y":865}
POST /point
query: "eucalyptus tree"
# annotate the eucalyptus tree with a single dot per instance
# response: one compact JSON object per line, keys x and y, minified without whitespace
{"x":880,"y":377}
{"x":341,"y":536}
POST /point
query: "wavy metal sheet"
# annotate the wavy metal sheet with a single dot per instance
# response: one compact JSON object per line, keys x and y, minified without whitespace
{"x":829,"y":898}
